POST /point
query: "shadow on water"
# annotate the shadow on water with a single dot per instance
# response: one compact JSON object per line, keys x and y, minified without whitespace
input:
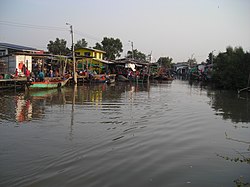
{"x":227,"y":103}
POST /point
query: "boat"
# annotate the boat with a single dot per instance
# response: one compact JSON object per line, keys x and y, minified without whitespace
{"x":122,"y":78}
{"x":48,"y":84}
{"x":97,"y":78}
{"x":110,"y":79}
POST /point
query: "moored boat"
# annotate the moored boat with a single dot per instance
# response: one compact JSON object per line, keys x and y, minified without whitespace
{"x":100,"y":78}
{"x":121,"y":78}
{"x":110,"y":79}
{"x":47,"y":84}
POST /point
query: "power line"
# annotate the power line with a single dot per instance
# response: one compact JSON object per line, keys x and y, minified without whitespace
{"x":24,"y":25}
{"x":43,"y":27}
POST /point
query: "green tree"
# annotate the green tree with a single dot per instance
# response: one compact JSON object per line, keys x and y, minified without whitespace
{"x":138,"y":55}
{"x":112,"y":47}
{"x":81,"y":44}
{"x":58,"y":47}
{"x":231,"y":68}
{"x":165,"y":62}
{"x":210,"y":58}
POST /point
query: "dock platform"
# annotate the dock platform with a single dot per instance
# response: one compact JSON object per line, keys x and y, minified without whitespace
{"x":13,"y":84}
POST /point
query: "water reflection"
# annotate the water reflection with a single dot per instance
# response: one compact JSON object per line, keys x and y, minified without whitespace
{"x":30,"y":105}
{"x":15,"y":107}
{"x":81,"y":131}
{"x":227,"y":104}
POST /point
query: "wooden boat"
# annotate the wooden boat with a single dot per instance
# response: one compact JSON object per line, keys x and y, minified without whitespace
{"x":48,"y":84}
{"x":110,"y":79}
{"x":122,"y":78}
{"x":98,"y":78}
{"x":244,"y":89}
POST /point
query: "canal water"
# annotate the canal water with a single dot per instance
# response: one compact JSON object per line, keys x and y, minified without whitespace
{"x":137,"y":135}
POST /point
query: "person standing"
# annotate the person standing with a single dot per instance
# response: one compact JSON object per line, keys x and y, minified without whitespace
{"x":16,"y":73}
{"x":27,"y":74}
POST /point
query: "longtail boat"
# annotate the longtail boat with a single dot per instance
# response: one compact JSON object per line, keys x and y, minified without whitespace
{"x":98,"y":78}
{"x":47,"y":84}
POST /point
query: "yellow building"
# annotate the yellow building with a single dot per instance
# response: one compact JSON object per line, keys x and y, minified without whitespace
{"x":93,"y":58}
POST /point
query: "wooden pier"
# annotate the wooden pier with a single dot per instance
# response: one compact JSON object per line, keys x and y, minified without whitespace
{"x":13,"y":84}
{"x":244,"y":89}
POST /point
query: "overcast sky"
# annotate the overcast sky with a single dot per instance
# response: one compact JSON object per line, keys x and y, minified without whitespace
{"x":176,"y":28}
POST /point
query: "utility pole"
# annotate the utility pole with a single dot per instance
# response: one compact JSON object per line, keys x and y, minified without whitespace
{"x":132,"y":45}
{"x":73,"y":54}
{"x":191,"y":61}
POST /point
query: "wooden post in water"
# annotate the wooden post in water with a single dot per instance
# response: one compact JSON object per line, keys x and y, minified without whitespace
{"x":73,"y":55}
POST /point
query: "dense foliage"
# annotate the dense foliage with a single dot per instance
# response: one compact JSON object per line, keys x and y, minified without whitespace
{"x":58,"y":47}
{"x":165,"y":62}
{"x":137,"y":55}
{"x":231,"y":68}
{"x":81,"y":44}
{"x":112,"y":47}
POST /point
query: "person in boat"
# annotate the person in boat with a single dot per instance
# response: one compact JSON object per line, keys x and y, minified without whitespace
{"x":32,"y":77}
{"x":41,"y":76}
{"x":57,"y":73}
{"x":51,"y":73}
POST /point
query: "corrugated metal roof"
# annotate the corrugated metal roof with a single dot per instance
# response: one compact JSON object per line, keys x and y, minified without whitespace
{"x":17,"y":47}
{"x":103,"y":61}
{"x":91,"y":49}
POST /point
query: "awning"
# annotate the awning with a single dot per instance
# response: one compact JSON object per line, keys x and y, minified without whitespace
{"x":103,"y":61}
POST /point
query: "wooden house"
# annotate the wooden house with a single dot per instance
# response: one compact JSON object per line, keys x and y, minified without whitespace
{"x":92,"y":60}
{"x":16,"y":57}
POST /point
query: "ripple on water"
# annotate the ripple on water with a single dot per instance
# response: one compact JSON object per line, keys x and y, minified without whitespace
{"x":167,"y":135}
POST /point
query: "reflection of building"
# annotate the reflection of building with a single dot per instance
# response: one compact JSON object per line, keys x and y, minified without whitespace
{"x":23,"y":109}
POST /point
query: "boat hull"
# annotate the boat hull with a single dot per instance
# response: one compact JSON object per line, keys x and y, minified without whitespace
{"x":48,"y":84}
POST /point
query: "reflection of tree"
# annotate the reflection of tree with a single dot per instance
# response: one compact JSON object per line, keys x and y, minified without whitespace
{"x":229,"y":106}
{"x":226,"y":103}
